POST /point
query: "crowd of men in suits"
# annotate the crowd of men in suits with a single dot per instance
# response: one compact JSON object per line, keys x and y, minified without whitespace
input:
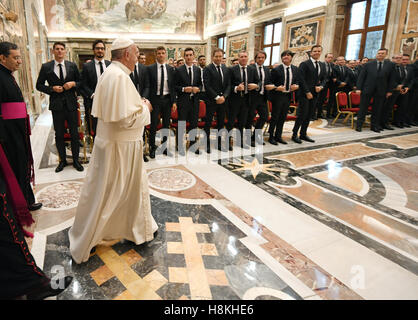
{"x":234,"y":95}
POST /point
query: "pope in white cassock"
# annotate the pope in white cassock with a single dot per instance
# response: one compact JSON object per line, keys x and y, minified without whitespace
{"x":115,"y":201}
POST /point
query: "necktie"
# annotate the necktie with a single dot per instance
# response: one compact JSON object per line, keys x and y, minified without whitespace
{"x":136,"y":75}
{"x":342,"y":72}
{"x":101,"y":68}
{"x":405,"y":71}
{"x":244,"y":79}
{"x":287,"y":79}
{"x":220,"y":74}
{"x":317,"y":67}
{"x":379,"y":68}
{"x":61,"y":72}
{"x":261,"y":79}
{"x":162,"y":81}
{"x":190,"y":76}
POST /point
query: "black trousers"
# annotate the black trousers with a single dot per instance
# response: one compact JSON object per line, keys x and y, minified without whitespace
{"x":401,"y":116}
{"x":91,"y":121}
{"x":304,"y":113}
{"x":160,"y":106}
{"x":238,"y":109}
{"x":387,"y":108}
{"x":258,"y":104}
{"x":188,"y":111}
{"x":412,"y":109}
{"x":280,"y":108}
{"x":220,"y":110}
{"x":378,"y":101}
{"x":59,"y":118}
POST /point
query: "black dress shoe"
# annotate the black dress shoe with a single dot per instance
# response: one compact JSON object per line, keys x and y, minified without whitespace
{"x":61,"y":166}
{"x":35,"y":206}
{"x":152,"y":153}
{"x":375,"y":130}
{"x":358,"y":129}
{"x":167,"y":153}
{"x":273,"y":141}
{"x":306,"y":138}
{"x":208,"y":148}
{"x":388,"y":127}
{"x":280,"y":140}
{"x":145,"y":158}
{"x":47,"y":290}
{"x":414,"y":123}
{"x":398,"y":125}
{"x":78,"y":166}
{"x":296,"y":139}
{"x":406,"y":125}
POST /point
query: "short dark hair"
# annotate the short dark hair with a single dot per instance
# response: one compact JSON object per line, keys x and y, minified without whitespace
{"x":287,"y":53}
{"x":5,"y":48}
{"x":201,"y":56}
{"x":329,"y":54}
{"x":260,"y":52}
{"x":188,"y":49}
{"x":142,"y":54}
{"x":383,"y":49}
{"x":58,"y":43}
{"x":95,"y":43}
{"x":160,"y":48}
{"x":217,"y":50}
{"x":406,"y":55}
{"x":235,"y":59}
{"x":316,"y":46}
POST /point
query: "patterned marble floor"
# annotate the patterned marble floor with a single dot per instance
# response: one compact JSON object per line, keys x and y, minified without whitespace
{"x":333,"y":220}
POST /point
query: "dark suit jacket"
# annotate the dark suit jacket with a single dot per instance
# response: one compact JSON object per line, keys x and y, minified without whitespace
{"x":213,"y":83}
{"x":88,"y":81}
{"x":411,"y":80}
{"x":309,"y":78}
{"x":143,"y":84}
{"x":252,"y":77}
{"x":58,"y":100}
{"x":351,"y":78}
{"x":341,"y":76}
{"x":153,"y":79}
{"x":181,"y":80}
{"x":267,"y":80}
{"x":370,"y":82}
{"x":278,"y":78}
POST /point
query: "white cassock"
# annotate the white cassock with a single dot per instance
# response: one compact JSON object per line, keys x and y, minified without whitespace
{"x":115,"y":201}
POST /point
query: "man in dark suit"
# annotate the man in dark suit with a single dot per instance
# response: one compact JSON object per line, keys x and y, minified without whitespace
{"x":285,"y":78}
{"x":89,"y":76}
{"x":243,"y":82}
{"x":331,"y":78}
{"x":162,"y":96}
{"x":390,"y":102}
{"x":407,"y":113}
{"x":188,"y":83}
{"x":201,"y":60}
{"x":217,"y":81}
{"x":342,"y":75}
{"x":63,"y":78}
{"x":259,"y":101}
{"x":140,"y":79}
{"x":376,"y":80}
{"x":352,"y":76}
{"x":312,"y":76}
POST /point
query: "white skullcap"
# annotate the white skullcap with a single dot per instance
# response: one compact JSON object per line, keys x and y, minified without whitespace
{"x":121,"y":43}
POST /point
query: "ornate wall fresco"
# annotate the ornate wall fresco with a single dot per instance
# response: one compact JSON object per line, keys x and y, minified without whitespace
{"x":145,"y":16}
{"x":221,"y":11}
{"x":407,"y":40}
{"x":302,"y":35}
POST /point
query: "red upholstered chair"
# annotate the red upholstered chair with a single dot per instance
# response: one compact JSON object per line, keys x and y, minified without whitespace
{"x":293,"y":104}
{"x":270,"y":108}
{"x":344,"y":107}
{"x":82,"y":137}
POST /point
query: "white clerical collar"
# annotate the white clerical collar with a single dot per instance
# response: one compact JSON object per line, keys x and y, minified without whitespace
{"x":122,"y":66}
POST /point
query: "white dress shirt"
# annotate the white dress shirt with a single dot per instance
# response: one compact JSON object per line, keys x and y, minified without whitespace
{"x":96,"y":62}
{"x":165,"y":90}
{"x":319,"y":65}
{"x":57,"y":68}
{"x":285,"y":76}
{"x":259,"y":76}
{"x":246,"y":78}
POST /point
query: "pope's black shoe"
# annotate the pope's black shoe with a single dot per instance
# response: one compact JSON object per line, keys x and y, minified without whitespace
{"x":46,"y":291}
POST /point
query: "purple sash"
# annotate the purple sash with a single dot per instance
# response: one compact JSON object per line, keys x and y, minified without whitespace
{"x":13,"y":110}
